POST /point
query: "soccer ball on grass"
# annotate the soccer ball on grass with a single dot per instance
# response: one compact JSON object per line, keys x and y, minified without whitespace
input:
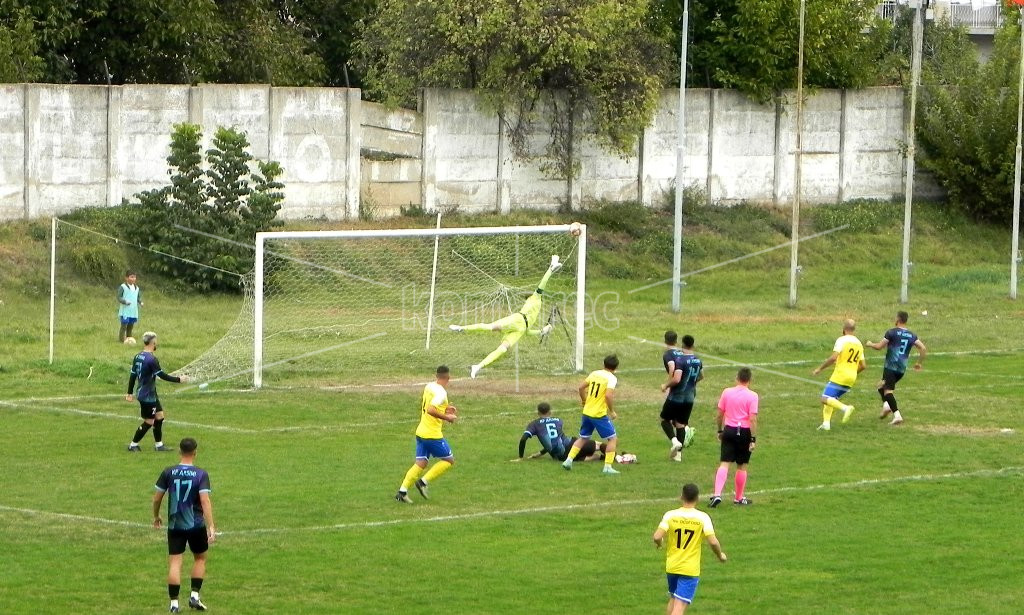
{"x":129,"y":341}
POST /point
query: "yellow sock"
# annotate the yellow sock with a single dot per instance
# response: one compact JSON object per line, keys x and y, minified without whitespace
{"x":439,"y":468}
{"x":835,"y":403}
{"x":411,"y":476}
{"x":609,"y":458}
{"x":575,"y":450}
{"x":494,"y":356}
{"x":826,"y":413}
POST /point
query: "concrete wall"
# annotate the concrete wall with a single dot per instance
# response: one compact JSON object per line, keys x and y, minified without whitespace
{"x":64,"y":147}
{"x":735,"y":149}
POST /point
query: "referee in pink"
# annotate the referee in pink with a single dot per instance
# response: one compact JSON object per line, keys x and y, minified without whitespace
{"x":737,"y":430}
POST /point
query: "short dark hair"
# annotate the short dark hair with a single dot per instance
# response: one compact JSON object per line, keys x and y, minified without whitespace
{"x":129,"y":272}
{"x":188,"y":445}
{"x":543,"y":407}
{"x":902,"y":317}
{"x":671,"y":337}
{"x":688,"y":341}
{"x":690,"y":493}
{"x":442,"y":370}
{"x":611,"y":362}
{"x":743,"y":375}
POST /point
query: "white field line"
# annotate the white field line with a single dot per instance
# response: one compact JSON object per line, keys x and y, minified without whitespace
{"x":858,"y":484}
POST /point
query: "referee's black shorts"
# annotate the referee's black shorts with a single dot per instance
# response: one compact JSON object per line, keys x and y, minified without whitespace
{"x":890,"y":378}
{"x":736,"y":444}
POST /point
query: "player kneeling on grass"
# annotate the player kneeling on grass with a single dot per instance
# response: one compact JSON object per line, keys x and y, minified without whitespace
{"x":514,"y":326}
{"x":685,"y":528}
{"x":145,"y":370}
{"x":553,"y":441}
{"x":435,"y":411}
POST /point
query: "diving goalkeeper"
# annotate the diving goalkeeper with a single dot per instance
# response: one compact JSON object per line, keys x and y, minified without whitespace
{"x":514,"y":326}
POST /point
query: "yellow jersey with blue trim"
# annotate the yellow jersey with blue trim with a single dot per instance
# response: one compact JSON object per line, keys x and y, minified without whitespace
{"x":430,"y":426}
{"x":685,"y":530}
{"x":599,"y":382}
{"x":851,"y":351}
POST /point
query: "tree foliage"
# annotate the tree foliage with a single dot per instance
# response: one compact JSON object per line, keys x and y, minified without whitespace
{"x":596,"y":62}
{"x":228,"y":204}
{"x":752,"y":46}
{"x":160,"y":41}
{"x":967,"y":127}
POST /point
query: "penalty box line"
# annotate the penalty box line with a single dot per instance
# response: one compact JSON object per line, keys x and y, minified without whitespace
{"x":857,"y":484}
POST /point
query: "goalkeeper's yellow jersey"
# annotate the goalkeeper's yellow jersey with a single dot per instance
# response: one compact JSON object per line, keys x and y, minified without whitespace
{"x":851,"y":351}
{"x":430,"y":426}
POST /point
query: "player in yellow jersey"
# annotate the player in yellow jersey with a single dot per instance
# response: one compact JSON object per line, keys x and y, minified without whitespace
{"x":597,"y":397}
{"x":686,"y":528}
{"x":435,"y":411}
{"x":848,"y":357}
{"x":514,"y":326}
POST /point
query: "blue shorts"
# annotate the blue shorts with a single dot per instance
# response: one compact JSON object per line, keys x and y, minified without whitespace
{"x":834,"y":390}
{"x":682,"y":587}
{"x":603,"y":425}
{"x":128,"y":320}
{"x":427,"y":448}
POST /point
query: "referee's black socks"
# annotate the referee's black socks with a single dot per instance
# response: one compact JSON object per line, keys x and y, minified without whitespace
{"x":140,"y":433}
{"x":670,"y":431}
{"x":881,"y":393}
{"x":891,"y":400}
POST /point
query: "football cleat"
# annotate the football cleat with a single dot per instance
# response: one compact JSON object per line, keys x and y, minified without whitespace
{"x":678,"y":456}
{"x":555,"y":264}
{"x":195,"y":603}
{"x":403,"y":498}
{"x":163,"y":449}
{"x":474,"y":370}
{"x":610,"y":470}
{"x":896,"y":420}
{"x":886,"y":410}
{"x":456,"y":328}
{"x":134,"y":449}
{"x":743,"y":502}
{"x":714,"y":501}
{"x":567,"y":464}
{"x":847,"y":412}
{"x":422,"y":488}
{"x":688,"y":437}
{"x":174,"y":609}
{"x":824,"y":427}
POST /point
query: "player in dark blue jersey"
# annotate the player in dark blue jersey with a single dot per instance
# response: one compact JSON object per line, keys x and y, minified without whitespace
{"x":553,"y":441}
{"x":189,"y":521}
{"x":684,"y":370}
{"x":142,"y":385}
{"x":897,"y":343}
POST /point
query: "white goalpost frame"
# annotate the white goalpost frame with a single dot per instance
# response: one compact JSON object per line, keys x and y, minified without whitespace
{"x":436,"y":234}
{"x":53,"y":280}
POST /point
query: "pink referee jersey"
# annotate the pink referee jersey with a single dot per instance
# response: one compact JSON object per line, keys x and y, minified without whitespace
{"x":738,"y":404}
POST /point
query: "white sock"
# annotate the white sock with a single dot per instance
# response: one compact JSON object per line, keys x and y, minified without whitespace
{"x":676,"y":442}
{"x":174,"y":603}
{"x":158,"y":444}
{"x":827,"y":425}
{"x":194,"y":595}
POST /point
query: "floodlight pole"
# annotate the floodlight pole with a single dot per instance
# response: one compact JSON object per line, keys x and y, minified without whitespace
{"x":1015,"y":238}
{"x":677,"y":235}
{"x":794,"y":250}
{"x":915,"y":77}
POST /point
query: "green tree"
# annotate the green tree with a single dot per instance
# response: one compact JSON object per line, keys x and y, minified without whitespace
{"x":752,"y":45}
{"x":331,"y":27}
{"x":967,"y":128}
{"x":600,"y":63}
{"x":228,"y":204}
{"x":19,"y":47}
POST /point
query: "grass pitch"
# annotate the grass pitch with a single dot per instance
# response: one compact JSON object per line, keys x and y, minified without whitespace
{"x":864,"y":519}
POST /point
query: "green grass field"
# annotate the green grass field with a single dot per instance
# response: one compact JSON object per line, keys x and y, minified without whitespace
{"x":864,"y":519}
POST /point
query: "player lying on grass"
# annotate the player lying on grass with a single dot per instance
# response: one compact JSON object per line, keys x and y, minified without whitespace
{"x":553,"y":440}
{"x":514,"y":326}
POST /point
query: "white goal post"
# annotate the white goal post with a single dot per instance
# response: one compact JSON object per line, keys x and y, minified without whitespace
{"x":332,"y":306}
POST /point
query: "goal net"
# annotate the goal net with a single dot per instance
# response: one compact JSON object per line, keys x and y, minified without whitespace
{"x":364,"y":308}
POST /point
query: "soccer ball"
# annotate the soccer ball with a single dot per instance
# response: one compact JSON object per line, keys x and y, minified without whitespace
{"x":625,"y":458}
{"x":130,"y":341}
{"x":575,"y":229}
